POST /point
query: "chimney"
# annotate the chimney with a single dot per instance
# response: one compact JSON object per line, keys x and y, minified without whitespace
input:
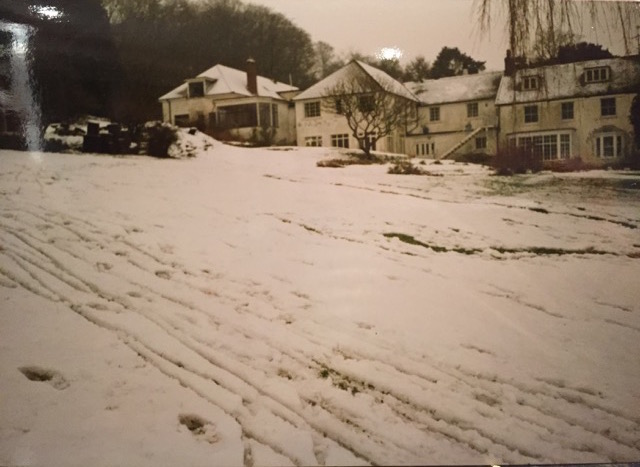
{"x":509,"y":64}
{"x":252,"y":76}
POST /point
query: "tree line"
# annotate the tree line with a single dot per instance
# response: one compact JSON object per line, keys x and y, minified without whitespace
{"x":114,"y":58}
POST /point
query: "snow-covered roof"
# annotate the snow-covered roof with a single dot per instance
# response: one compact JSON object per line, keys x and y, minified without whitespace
{"x":353,"y":69}
{"x":457,"y":88}
{"x":567,"y":81}
{"x":222,"y":79}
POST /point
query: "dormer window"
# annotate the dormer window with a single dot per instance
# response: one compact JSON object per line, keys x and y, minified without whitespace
{"x":530,"y":83}
{"x":196,"y":89}
{"x":597,"y":75}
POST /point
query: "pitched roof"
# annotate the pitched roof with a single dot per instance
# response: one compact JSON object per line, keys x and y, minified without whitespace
{"x":354,"y":68}
{"x":457,"y":88}
{"x":566,"y":81}
{"x":222,"y":79}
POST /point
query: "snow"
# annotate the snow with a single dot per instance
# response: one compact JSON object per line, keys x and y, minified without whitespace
{"x":345,"y":74}
{"x":221,"y":80}
{"x":564,"y":81}
{"x":245,"y":307}
{"x":457,"y":88}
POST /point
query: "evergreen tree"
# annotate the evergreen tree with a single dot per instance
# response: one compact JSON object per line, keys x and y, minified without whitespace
{"x":452,"y":62}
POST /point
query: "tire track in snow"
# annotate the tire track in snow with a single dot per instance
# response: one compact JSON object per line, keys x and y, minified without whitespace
{"x":94,"y":288}
{"x":349,"y":447}
{"x":126,"y":336}
{"x":316,"y":346}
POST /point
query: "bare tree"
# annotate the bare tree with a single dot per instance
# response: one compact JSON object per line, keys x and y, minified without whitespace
{"x":373,"y":108}
{"x":546,"y":25}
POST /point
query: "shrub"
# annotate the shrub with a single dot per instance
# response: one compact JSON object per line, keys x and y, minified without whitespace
{"x":516,"y":160}
{"x":160,"y":137}
{"x":332,"y":163}
{"x":405,"y":168}
{"x":575,"y":164}
{"x":474,"y":158}
{"x":263,"y":136}
{"x":55,"y":145}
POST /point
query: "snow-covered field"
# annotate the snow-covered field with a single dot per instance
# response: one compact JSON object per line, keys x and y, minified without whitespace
{"x":248,"y":308}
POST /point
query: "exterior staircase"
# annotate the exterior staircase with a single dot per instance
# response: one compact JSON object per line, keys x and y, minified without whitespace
{"x":463,"y":141}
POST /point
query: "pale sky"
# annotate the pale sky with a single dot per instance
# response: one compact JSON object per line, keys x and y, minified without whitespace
{"x":416,"y":27}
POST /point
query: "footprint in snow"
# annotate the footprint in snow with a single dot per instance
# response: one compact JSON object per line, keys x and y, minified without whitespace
{"x":102,"y":267}
{"x":199,"y":427}
{"x":51,"y":377}
{"x":164,"y":274}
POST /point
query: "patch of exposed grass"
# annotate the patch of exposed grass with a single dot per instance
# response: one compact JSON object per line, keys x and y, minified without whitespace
{"x":311,"y":229}
{"x":549,"y":251}
{"x":357,"y":158}
{"x":406,"y":239}
{"x":438,"y":249}
{"x":344,"y":382}
{"x":534,"y":250}
{"x":540,"y":210}
{"x":405,"y":167}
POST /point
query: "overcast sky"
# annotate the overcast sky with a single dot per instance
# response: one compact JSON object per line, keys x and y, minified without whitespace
{"x":416,"y":27}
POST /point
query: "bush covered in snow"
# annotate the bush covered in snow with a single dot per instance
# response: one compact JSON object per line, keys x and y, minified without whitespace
{"x":64,"y":137}
{"x":406,"y":167}
{"x":163,"y":139}
{"x":159,"y":138}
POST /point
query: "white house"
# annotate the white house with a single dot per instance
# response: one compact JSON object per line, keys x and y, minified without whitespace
{"x":457,"y":116}
{"x":319,"y":124}
{"x":570,"y":110}
{"x":233,"y":104}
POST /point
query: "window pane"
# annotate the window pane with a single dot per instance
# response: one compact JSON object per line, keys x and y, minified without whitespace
{"x":181,"y":120}
{"x":196,"y":89}
{"x":565,"y":146}
{"x":618,"y":146}
{"x":237,"y":116}
{"x":472,"y":109}
{"x":340,"y":141}
{"x":567,"y":110}
{"x":607,"y":146}
{"x":312,"y":109}
{"x":313,"y":141}
{"x":608,"y":106}
{"x":265,"y":115}
{"x":531,"y":113}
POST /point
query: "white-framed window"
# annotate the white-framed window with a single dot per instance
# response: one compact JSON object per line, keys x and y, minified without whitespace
{"x":313,"y":141}
{"x":434,"y":114}
{"x":481,"y":142}
{"x":547,"y":146}
{"x":182,"y":120}
{"x":425,"y":149}
{"x":567,"y":111}
{"x":609,"y":145}
{"x":530,"y":113}
{"x":312,"y":109}
{"x":196,"y":89}
{"x":607,"y":106}
{"x":565,"y":145}
{"x":530,"y":83}
{"x":340,"y":141}
{"x":597,"y":75}
{"x":472,"y":109}
{"x":275,"y":116}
